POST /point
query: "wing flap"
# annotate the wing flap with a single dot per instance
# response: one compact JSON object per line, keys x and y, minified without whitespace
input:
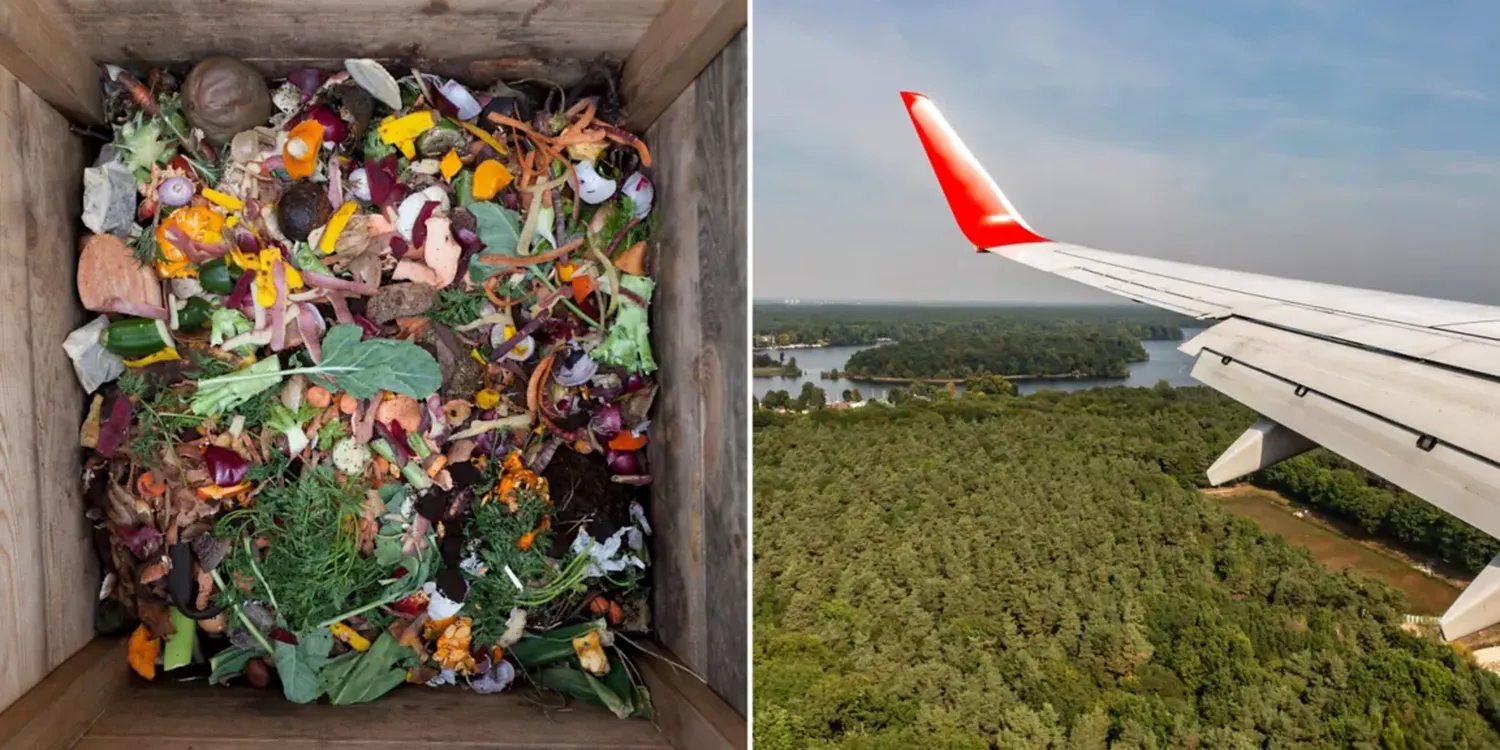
{"x":1460,"y":483}
{"x":1451,"y":406}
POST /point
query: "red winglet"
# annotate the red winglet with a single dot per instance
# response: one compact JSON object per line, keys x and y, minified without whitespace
{"x":983,"y":213}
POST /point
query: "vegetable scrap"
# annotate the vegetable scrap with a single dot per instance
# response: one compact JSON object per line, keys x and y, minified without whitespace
{"x":371,"y":374}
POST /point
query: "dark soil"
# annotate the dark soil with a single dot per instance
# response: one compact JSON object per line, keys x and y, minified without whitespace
{"x":582,"y":493}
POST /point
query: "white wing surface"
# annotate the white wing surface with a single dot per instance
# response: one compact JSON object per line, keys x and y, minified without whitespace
{"x":1408,"y":387}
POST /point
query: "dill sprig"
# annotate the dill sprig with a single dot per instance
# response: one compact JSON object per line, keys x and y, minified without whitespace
{"x":456,"y":307}
{"x":312,"y":563}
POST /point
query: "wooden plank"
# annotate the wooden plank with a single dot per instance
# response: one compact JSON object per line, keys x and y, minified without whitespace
{"x":442,"y":34}
{"x":681,"y":42}
{"x":678,"y":606}
{"x":54,"y":162}
{"x":23,"y":608}
{"x":190,"y":715}
{"x":44,"y":53}
{"x":56,"y":712}
{"x":699,"y":499}
{"x":722,"y":114}
{"x":690,"y":714}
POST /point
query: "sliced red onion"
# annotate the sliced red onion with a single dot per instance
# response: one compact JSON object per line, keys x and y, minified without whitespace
{"x":307,"y":80}
{"x":241,"y":292}
{"x":311,"y":325}
{"x":246,"y":240}
{"x":334,"y":283}
{"x":463,"y":101}
{"x":371,"y":328}
{"x":622,"y":462}
{"x":335,"y":130}
{"x":278,"y":309}
{"x":419,"y":229}
{"x":607,"y":421}
{"x":144,"y":541}
{"x":175,"y":191}
{"x":112,"y":432}
{"x":380,"y":178}
{"x":578,"y":371}
{"x":399,"y":247}
{"x":341,"y":311}
{"x":395,"y":434}
{"x":226,"y":467}
{"x":335,"y":182}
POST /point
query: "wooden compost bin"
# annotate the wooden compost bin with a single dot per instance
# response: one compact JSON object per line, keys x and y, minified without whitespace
{"x":684,"y":85}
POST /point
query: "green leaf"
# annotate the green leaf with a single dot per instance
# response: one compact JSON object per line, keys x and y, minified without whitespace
{"x":536,"y":651}
{"x":628,"y":342}
{"x":218,"y":395}
{"x":231,"y":663}
{"x":299,"y":665}
{"x":499,"y":230}
{"x":364,"y":368}
{"x":179,"y":650}
{"x":371,"y":675}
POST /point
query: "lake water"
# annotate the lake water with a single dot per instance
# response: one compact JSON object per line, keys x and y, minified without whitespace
{"x":1165,"y":363}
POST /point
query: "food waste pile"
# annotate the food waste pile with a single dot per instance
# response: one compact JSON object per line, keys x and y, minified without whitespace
{"x":370,"y":378}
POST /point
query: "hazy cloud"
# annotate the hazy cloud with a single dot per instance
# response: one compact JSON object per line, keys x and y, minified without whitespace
{"x":1334,"y":141}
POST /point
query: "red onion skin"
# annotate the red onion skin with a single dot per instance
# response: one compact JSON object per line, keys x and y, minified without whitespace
{"x":369,"y":326}
{"x":607,"y":421}
{"x":307,"y":80}
{"x":622,"y":462}
{"x":396,"y":436}
{"x":138,"y":309}
{"x":334,"y":283}
{"x":341,"y":311}
{"x":419,"y":230}
{"x":335,"y":130}
{"x":311,"y":325}
{"x":241,"y":292}
{"x":112,"y":432}
{"x":225,"y":466}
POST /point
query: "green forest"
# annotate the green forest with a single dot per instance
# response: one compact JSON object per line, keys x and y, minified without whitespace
{"x":765,"y":365}
{"x":1053,"y":349}
{"x":851,"y":325}
{"x":1041,"y":572}
{"x":1380,"y":509}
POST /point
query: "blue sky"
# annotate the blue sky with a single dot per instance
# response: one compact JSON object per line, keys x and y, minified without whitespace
{"x":1346,"y":141}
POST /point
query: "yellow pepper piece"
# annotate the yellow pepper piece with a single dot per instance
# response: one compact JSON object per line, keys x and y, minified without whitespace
{"x":408,"y":148}
{"x":336,"y":227}
{"x":406,"y":128}
{"x":265,"y":280}
{"x":487,"y":398}
{"x":245,"y":261}
{"x":166,"y":355}
{"x":565,"y":272}
{"x":478,"y":357}
{"x":481,"y":134}
{"x":490,"y":177}
{"x":348,"y":635}
{"x":232,"y":221}
{"x":223,"y":199}
{"x":451,"y":164}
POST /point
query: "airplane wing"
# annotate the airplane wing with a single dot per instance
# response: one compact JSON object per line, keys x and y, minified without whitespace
{"x":1407,"y":387}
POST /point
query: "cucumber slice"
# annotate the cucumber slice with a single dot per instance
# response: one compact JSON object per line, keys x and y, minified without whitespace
{"x":136,"y":337}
